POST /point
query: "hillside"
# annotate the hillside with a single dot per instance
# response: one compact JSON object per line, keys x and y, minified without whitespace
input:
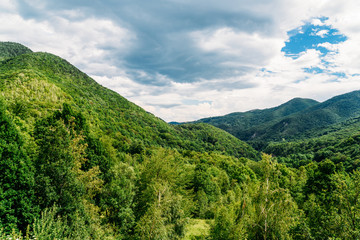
{"x":296,"y":119}
{"x":238,"y":124}
{"x":34,"y":85}
{"x":11,"y":49}
{"x":303,"y":124}
{"x":72,"y":148}
{"x":78,"y":161}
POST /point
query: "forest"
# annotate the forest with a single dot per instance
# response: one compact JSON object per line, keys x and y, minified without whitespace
{"x":78,"y":161}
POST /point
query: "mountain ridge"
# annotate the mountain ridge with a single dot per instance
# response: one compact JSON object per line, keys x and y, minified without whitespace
{"x":45,"y":82}
{"x":11,"y":49}
{"x":269,"y":125}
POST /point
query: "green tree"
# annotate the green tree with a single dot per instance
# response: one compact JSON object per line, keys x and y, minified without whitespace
{"x":346,"y":197}
{"x":17,"y":199}
{"x":117,"y":198}
{"x":161,"y":207}
{"x":61,"y":177}
{"x":257,"y":209}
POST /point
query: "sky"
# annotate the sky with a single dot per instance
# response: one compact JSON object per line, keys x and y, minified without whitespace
{"x":184,"y":60}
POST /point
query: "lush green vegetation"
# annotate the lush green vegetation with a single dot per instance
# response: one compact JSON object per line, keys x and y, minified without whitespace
{"x":294,"y":120}
{"x":11,"y":49}
{"x":78,"y":161}
{"x":244,"y":124}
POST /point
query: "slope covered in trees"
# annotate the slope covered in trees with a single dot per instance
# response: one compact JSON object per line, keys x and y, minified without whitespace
{"x":234,"y":123}
{"x":79,"y":161}
{"x":37,"y":84}
{"x":296,"y":119}
{"x":11,"y":49}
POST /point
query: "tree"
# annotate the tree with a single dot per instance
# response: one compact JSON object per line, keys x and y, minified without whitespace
{"x":346,"y":197}
{"x":117,"y":198}
{"x":61,"y":176}
{"x":17,"y":196}
{"x":161,"y":208}
{"x":257,"y":209}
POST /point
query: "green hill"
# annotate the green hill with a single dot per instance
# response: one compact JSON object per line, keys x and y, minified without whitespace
{"x":304,"y":124}
{"x":238,"y":124}
{"x":296,"y":119}
{"x":11,"y":49}
{"x":35,"y":85}
{"x":74,"y":148}
{"x":78,"y":161}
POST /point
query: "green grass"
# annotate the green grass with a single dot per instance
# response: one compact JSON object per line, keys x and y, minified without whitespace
{"x":197,"y":229}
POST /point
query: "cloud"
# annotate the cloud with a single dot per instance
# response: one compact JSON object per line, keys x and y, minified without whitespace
{"x":183,"y":60}
{"x":88,"y":43}
{"x":322,"y":33}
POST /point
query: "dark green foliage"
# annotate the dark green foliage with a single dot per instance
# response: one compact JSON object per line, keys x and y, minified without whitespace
{"x":339,"y":150}
{"x":238,"y":124}
{"x":17,"y":197}
{"x":11,"y":49}
{"x":56,"y":182}
{"x":204,"y":137}
{"x":117,"y":199}
{"x":97,"y":166}
{"x":296,"y":119}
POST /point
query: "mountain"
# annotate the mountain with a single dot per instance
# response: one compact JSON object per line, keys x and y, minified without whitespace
{"x":35,"y":85}
{"x":11,"y":49}
{"x":304,"y":124}
{"x":296,"y":119}
{"x":238,"y":124}
{"x":79,"y":161}
{"x":73,"y":148}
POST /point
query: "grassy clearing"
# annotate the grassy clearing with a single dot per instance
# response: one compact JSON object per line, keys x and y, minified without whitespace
{"x":197,"y":229}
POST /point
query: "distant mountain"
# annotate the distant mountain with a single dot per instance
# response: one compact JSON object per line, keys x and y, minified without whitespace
{"x":239,"y":123}
{"x":296,"y":119}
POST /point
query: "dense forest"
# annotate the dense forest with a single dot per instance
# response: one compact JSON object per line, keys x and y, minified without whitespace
{"x":293,"y":120}
{"x":78,"y":161}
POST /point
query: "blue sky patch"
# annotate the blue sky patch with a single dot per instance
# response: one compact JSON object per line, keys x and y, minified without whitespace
{"x":311,"y":36}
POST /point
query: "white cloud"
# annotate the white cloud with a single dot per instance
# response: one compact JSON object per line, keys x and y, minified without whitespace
{"x":7,"y":5}
{"x":97,"y":45}
{"x":85,"y":43}
{"x":329,"y":46}
{"x":322,"y":33}
{"x":317,"y":22}
{"x":238,"y":48}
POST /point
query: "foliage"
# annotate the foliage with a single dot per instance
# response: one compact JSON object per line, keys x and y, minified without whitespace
{"x":79,"y":161}
{"x":17,"y":185}
{"x":296,"y":119}
{"x":11,"y":49}
{"x":257,"y":210}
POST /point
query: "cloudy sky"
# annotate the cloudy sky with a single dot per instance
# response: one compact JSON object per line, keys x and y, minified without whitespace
{"x":187,"y":59}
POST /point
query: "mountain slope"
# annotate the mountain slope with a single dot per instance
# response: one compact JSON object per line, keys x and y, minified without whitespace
{"x":296,"y":119}
{"x":81,"y":157}
{"x":238,"y":123}
{"x":34,"y":85}
{"x":11,"y":49}
{"x":307,"y":122}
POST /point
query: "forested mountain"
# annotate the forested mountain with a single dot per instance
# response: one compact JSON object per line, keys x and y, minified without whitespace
{"x":238,"y":123}
{"x":78,"y":161}
{"x":300,"y":119}
{"x":37,"y":84}
{"x":11,"y":49}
